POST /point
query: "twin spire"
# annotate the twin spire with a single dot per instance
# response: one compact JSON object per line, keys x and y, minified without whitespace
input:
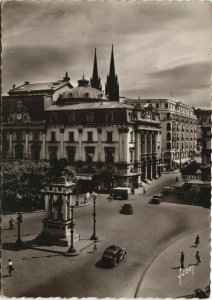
{"x":112,"y":85}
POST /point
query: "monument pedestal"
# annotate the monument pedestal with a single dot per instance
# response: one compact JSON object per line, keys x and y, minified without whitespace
{"x":57,"y":232}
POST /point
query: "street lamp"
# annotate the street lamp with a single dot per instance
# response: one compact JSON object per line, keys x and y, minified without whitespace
{"x":72,"y":251}
{"x":19,"y":242}
{"x":94,"y":237}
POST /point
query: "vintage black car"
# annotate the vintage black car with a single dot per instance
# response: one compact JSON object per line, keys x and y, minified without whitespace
{"x":156,"y":199}
{"x":113,"y":255}
{"x":126,"y":209}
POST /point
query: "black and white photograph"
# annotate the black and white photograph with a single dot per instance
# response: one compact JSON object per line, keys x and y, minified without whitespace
{"x":106,"y":149}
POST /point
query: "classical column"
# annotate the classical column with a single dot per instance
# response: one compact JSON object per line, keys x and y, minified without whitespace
{"x":145,"y":143}
{"x":11,"y":145}
{"x":149,"y":157}
{"x":137,"y":146}
{"x":120,"y":146}
{"x":61,"y":142}
{"x":99,"y":143}
{"x":80,"y":143}
{"x":43,"y":151}
{"x":26,"y":150}
{"x":46,"y":215}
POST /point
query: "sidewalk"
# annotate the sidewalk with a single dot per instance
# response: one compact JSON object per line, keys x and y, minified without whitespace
{"x":164,"y":178}
{"x":162,"y":279}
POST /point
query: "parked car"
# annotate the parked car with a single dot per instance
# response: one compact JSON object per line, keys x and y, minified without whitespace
{"x":126,"y":209}
{"x":167,"y":190}
{"x":113,"y":255}
{"x":121,"y":193}
{"x":156,"y":199}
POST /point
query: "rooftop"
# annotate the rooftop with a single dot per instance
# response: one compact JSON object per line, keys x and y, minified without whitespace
{"x":92,"y":105}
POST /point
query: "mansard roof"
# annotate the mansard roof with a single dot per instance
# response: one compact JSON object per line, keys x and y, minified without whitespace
{"x":90,"y":106}
{"x":82,"y":92}
{"x":48,"y":87}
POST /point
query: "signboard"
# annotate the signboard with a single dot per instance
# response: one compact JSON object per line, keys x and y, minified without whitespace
{"x":83,"y":177}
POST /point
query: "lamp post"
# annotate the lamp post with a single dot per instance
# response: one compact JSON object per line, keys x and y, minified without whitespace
{"x":72,"y":251}
{"x":94,"y":237}
{"x":19,"y":243}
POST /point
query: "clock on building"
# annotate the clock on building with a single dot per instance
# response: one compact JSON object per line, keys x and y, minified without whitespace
{"x":19,"y":116}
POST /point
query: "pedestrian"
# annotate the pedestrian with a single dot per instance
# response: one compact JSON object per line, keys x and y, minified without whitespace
{"x":144,"y":190}
{"x":87,"y":197}
{"x":182,"y":260}
{"x":197,"y":241}
{"x":77,"y":199}
{"x":198,"y":258}
{"x":10,"y":223}
{"x":10,"y":266}
{"x":13,"y":223}
{"x":95,"y":246}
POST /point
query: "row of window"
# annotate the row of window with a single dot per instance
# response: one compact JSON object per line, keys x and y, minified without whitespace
{"x":89,"y":154}
{"x":180,"y":127}
{"x":169,"y":145}
{"x":71,"y":136}
{"x":173,"y":106}
{"x":20,"y":136}
{"x":71,"y":117}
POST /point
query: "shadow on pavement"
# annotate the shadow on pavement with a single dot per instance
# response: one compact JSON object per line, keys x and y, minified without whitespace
{"x":176,"y":268}
{"x":5,"y":276}
{"x":36,"y":257}
{"x":12,"y":247}
{"x":100,"y":264}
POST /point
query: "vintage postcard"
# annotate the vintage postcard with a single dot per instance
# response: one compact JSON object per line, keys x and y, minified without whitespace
{"x":106,"y":149}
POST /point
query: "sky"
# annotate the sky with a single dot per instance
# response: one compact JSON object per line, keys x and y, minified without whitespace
{"x":161,"y":49}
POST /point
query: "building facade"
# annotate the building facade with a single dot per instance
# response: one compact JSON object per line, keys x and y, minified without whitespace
{"x":23,"y":118}
{"x":178,"y":131}
{"x":106,"y":143}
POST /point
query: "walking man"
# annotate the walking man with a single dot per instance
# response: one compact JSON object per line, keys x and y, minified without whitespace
{"x":197,"y":241}
{"x":10,"y":267}
{"x":95,"y":246}
{"x":198,"y":258}
{"x":10,"y":223}
{"x":182,"y":260}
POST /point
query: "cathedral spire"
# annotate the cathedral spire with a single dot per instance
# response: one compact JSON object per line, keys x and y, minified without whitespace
{"x":112,"y":65}
{"x":95,"y":80}
{"x":112,"y":85}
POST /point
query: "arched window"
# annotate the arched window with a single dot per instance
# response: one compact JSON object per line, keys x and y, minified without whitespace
{"x":168,"y":145}
{"x":168,"y":126}
{"x":168,"y":136}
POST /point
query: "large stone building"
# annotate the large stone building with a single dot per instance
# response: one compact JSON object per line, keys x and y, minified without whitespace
{"x":178,"y":130}
{"x":107,"y":143}
{"x":23,"y":118}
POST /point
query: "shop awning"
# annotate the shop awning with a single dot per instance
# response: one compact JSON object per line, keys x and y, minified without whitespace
{"x":84,"y":176}
{"x":183,"y":161}
{"x":127,"y":175}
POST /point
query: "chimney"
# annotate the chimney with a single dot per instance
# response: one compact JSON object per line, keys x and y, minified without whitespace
{"x":13,"y":86}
